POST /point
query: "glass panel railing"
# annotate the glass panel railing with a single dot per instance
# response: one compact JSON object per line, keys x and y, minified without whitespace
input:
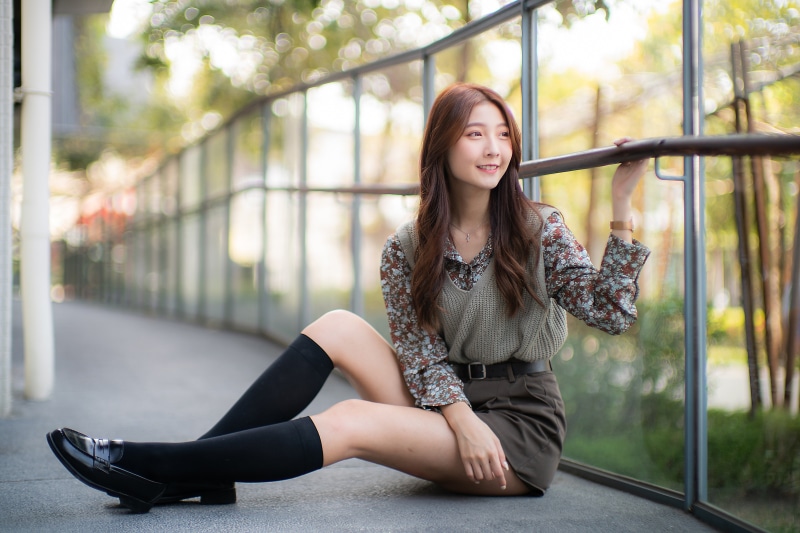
{"x":285,"y":141}
{"x":624,"y":394}
{"x":380,"y":217}
{"x":169,"y":267}
{"x":248,"y":147}
{"x":329,"y":250}
{"x":215,"y":260}
{"x":154,"y":276}
{"x":331,"y":123}
{"x":753,"y":428}
{"x":140,"y":270}
{"x":191,"y":184}
{"x":283,"y":272}
{"x":245,"y":250}
{"x":170,"y":185}
{"x":189,"y":303}
{"x":492,"y":58}
{"x":217,"y":164}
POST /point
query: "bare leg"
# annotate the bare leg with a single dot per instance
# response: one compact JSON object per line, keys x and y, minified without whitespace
{"x":414,"y":441}
{"x":362,"y":355}
{"x":387,"y":429}
{"x":294,"y":379}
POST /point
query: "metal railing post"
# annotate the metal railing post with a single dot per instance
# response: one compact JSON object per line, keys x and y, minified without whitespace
{"x":227,"y":267}
{"x":428,"y":85}
{"x":530,"y":98}
{"x":202,"y":214}
{"x":695,"y":445}
{"x":305,"y":297}
{"x":261,"y":275}
{"x":357,"y":296}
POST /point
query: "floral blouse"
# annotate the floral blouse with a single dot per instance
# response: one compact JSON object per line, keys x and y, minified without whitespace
{"x":604,"y":299}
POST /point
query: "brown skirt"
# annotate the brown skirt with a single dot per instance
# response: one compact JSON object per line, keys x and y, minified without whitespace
{"x":527,"y":415}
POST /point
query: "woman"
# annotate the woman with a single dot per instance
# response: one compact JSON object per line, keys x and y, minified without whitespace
{"x":476,"y":291}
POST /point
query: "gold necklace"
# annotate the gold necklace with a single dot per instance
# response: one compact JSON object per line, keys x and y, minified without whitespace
{"x":467,"y":233}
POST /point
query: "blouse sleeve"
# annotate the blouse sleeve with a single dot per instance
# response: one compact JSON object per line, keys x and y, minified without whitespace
{"x":603,"y":298}
{"x":422,"y":355}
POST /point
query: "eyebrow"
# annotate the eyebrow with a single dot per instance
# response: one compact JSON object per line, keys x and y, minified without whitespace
{"x":473,"y":124}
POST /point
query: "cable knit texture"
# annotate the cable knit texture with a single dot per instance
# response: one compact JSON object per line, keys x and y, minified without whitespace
{"x":475,"y":324}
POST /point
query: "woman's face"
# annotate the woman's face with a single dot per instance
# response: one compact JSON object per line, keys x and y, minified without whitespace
{"x":481,"y":155}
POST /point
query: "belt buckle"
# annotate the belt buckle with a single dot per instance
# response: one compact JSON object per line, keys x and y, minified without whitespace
{"x":478,"y":374}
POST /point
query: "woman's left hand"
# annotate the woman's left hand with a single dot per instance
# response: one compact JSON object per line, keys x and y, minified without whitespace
{"x":627,"y":176}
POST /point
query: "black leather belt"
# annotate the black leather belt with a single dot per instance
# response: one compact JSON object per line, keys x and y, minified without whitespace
{"x":478,"y":371}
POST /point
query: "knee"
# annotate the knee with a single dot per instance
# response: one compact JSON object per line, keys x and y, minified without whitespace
{"x":347,"y":409}
{"x":332,"y":320}
{"x":346,"y":416}
{"x":334,"y":325}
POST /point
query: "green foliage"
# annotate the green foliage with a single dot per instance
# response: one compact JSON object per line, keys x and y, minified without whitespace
{"x":573,"y":10}
{"x":636,"y":427}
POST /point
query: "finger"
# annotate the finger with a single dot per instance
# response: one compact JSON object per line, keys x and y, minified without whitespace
{"x":470,"y":473}
{"x":622,"y":140}
{"x":483,"y":470}
{"x":500,"y":476}
{"x":501,"y":468}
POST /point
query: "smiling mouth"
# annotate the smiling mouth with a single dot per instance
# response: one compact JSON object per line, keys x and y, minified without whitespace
{"x":488,"y":167}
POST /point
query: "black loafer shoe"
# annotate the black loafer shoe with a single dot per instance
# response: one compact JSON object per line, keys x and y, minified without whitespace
{"x":209,"y":493}
{"x":92,"y":461}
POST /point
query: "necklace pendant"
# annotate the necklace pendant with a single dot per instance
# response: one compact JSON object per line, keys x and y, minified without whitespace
{"x":467,"y":237}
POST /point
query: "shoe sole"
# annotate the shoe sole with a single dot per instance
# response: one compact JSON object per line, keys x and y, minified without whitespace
{"x":209,"y":497}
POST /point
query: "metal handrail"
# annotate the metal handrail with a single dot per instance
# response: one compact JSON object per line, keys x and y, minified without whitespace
{"x":720,"y":145}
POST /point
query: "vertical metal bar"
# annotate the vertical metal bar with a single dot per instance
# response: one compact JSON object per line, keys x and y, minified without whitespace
{"x":202,"y":214}
{"x":261,"y":274}
{"x":428,"y":85}
{"x":163,"y":248}
{"x":227,"y":270}
{"x":305,"y":300}
{"x":147,"y":249}
{"x":695,"y":438}
{"x":530,"y":97}
{"x":180,"y":309}
{"x":357,"y":295}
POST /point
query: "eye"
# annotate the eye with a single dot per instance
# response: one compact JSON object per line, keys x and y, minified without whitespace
{"x":473,"y":134}
{"x":505,"y":134}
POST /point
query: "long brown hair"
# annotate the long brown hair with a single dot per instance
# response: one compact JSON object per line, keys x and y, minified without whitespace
{"x":513,"y":238}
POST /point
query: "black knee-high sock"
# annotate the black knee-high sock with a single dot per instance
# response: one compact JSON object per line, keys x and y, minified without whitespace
{"x":269,"y":453}
{"x":281,"y":392}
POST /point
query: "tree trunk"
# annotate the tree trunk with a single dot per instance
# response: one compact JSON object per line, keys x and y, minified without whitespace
{"x":742,"y":230}
{"x":772,"y":321}
{"x":793,"y":325}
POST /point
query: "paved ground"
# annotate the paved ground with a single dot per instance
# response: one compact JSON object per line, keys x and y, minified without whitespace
{"x":124,"y":375}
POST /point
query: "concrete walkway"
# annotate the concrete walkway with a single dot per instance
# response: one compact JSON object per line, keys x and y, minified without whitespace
{"x":124,"y":375}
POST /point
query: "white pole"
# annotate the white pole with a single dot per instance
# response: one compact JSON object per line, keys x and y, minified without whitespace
{"x":37,"y":312}
{"x":6,"y":169}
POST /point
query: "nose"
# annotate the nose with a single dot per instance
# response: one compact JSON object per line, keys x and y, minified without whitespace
{"x":492,"y":146}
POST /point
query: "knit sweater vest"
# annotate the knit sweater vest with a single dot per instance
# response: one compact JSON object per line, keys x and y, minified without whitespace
{"x":475,"y":324}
